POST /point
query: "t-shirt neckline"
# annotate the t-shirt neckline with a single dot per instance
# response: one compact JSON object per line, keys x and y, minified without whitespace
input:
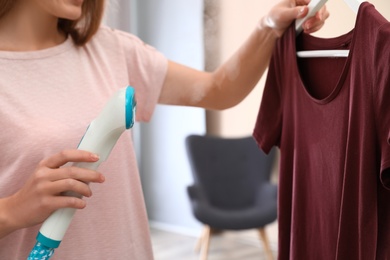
{"x":328,"y":43}
{"x":39,"y":54}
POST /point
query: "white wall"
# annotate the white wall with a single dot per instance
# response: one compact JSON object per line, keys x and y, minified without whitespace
{"x":175,"y":27}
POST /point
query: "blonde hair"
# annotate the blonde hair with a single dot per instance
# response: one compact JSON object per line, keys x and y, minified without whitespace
{"x":80,"y":30}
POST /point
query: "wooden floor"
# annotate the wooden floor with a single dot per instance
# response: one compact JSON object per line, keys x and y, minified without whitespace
{"x":243,"y":245}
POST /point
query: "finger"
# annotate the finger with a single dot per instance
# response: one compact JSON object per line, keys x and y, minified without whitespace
{"x":317,"y":21}
{"x":66,"y":156}
{"x":69,"y":185}
{"x":292,"y":13}
{"x":314,"y":28}
{"x":324,"y":13}
{"x":313,"y":23}
{"x":67,"y":202}
{"x":81,"y":174}
{"x":296,"y":12}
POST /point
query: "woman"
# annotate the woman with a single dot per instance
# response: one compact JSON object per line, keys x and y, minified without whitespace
{"x":58,"y":67}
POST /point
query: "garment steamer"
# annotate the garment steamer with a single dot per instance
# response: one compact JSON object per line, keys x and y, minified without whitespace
{"x":100,"y":137}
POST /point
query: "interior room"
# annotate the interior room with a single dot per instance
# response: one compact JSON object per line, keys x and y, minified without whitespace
{"x":201,"y":34}
{"x":195,"y":129}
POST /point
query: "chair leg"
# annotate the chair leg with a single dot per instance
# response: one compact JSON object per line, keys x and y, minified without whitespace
{"x":198,"y":244}
{"x":205,"y":243}
{"x":264,"y":238}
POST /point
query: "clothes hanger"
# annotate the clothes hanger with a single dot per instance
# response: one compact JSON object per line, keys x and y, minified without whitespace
{"x":314,"y":6}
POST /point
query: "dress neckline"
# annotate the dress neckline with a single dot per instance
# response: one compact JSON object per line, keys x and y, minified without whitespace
{"x":324,"y":44}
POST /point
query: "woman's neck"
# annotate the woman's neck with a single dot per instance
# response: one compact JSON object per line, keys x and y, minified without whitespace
{"x":23,"y":29}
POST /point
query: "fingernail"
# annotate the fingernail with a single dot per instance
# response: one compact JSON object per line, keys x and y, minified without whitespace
{"x":302,"y":10}
{"x":95,"y":156}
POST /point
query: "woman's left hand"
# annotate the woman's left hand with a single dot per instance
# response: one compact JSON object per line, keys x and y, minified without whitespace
{"x":285,"y":12}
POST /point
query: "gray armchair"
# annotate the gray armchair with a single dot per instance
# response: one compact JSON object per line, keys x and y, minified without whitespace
{"x":232,"y":188}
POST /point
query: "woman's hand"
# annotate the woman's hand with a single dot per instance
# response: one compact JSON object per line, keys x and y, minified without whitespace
{"x":41,"y":194}
{"x":285,"y":12}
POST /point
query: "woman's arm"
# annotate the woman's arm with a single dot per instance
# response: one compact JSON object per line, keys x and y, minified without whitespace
{"x":235,"y":79}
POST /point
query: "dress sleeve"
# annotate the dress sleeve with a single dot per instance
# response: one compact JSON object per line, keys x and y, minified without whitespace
{"x":147,"y":69}
{"x":382,"y":100}
{"x":268,"y":127}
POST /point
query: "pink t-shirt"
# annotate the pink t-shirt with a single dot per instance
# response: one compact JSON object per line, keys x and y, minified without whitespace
{"x":331,"y":119}
{"x":47,"y":99}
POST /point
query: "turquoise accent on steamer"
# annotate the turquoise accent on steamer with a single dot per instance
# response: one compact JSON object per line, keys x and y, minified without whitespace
{"x":40,"y":252}
{"x":51,"y":243}
{"x":130,"y":107}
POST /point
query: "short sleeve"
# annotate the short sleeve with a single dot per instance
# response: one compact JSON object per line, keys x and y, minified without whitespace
{"x":268,"y":125}
{"x":147,"y":70}
{"x":382,"y":100}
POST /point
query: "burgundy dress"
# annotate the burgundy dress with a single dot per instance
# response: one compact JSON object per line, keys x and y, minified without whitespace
{"x":331,"y":119}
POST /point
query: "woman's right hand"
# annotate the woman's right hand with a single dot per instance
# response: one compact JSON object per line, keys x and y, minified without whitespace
{"x":41,"y":194}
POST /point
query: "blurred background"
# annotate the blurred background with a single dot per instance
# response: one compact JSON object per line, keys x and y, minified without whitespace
{"x":201,"y":34}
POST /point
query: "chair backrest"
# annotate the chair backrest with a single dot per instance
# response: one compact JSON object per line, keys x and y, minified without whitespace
{"x":228,"y":170}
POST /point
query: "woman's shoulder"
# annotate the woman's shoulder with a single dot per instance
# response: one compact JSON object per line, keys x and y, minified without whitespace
{"x":114,"y":39}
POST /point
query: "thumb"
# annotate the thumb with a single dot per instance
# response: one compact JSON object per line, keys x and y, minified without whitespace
{"x":282,"y":14}
{"x":297,"y":12}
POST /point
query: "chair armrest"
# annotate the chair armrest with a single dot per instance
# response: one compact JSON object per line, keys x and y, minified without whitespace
{"x":197,"y":196}
{"x":195,"y":193}
{"x":192,"y":192}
